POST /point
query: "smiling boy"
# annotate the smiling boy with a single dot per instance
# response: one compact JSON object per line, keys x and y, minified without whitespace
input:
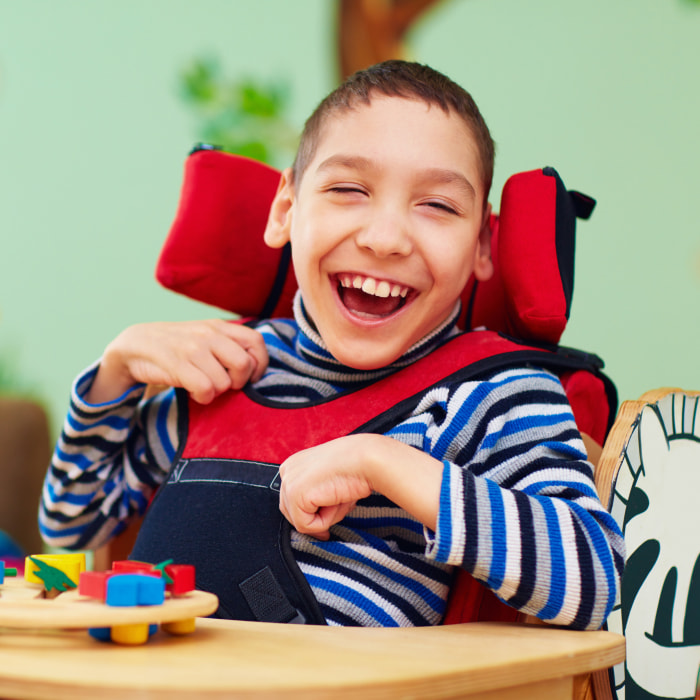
{"x":387,"y":215}
{"x":406,"y":224}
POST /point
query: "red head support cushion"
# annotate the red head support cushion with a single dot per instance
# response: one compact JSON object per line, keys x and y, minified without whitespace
{"x":215,"y":251}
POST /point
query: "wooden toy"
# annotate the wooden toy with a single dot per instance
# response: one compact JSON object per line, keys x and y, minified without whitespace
{"x":58,"y":572}
{"x":179,"y":578}
{"x":125,"y":605}
{"x":17,"y":588}
{"x":124,"y":590}
{"x":6,"y":571}
{"x":13,"y":587}
{"x":94,"y":584}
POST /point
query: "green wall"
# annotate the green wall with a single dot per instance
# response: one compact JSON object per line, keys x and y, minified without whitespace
{"x":93,"y":136}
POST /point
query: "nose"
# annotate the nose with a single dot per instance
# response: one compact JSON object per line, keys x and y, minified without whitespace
{"x":386,"y":234}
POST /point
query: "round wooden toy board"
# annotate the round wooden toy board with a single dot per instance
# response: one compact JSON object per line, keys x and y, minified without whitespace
{"x":17,"y":589}
{"x":22,"y":606}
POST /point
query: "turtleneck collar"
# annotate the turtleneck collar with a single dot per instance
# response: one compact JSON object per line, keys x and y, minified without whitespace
{"x":311,"y":347}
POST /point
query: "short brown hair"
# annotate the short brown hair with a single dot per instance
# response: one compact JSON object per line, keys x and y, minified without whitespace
{"x":398,"y":79}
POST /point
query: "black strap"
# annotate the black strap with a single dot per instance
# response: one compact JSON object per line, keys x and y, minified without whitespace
{"x":555,"y":358}
{"x":583,"y":204}
{"x":267,"y":600}
{"x":278,"y":284}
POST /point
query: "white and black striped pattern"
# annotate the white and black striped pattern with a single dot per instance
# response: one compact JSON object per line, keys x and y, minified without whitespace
{"x":302,"y":369}
{"x":518,"y":507}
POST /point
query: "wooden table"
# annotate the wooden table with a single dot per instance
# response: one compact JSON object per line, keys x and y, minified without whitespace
{"x":224,"y":659}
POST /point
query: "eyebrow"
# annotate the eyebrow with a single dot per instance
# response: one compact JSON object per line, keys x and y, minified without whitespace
{"x":440,"y":176}
{"x":443,"y":176}
{"x":345,"y":161}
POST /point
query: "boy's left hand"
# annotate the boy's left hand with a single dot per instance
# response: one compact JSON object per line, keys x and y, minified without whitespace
{"x":322,"y":484}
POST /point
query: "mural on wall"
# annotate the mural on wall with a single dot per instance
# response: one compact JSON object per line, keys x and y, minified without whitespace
{"x":250,"y":118}
{"x":655,"y":502}
{"x":369,"y":32}
{"x":242,"y":115}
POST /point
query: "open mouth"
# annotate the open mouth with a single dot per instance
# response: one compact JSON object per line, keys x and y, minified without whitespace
{"x":370,"y":297}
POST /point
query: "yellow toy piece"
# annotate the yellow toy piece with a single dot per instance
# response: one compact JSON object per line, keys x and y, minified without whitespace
{"x":179,"y":626}
{"x":60,"y":567}
{"x":129,"y":634}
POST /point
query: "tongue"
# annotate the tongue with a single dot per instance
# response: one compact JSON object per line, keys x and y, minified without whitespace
{"x":357,"y":301}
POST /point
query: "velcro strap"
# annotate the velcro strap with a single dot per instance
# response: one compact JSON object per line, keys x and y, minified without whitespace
{"x":267,"y":599}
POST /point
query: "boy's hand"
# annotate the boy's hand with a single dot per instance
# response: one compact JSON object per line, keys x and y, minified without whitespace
{"x":204,"y":357}
{"x":322,"y":484}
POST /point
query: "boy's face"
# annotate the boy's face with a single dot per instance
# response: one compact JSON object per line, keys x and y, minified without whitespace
{"x":386,"y":226}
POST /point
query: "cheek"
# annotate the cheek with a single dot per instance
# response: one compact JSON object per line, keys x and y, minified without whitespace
{"x":451,"y":265}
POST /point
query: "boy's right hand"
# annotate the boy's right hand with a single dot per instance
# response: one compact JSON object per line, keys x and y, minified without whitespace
{"x":204,"y":357}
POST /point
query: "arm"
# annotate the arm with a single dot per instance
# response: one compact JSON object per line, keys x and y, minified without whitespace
{"x":524,"y":517}
{"x":515,"y":504}
{"x":321,"y":485}
{"x":108,"y":461}
{"x":204,"y":357}
{"x":544,"y":545}
{"x":114,"y":450}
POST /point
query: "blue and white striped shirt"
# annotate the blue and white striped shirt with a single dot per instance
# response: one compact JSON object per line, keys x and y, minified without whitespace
{"x":518,"y":508}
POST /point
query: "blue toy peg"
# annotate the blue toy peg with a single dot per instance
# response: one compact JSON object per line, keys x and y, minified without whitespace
{"x":135,"y":589}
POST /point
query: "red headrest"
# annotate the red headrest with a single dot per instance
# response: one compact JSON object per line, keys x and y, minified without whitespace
{"x":215,"y":251}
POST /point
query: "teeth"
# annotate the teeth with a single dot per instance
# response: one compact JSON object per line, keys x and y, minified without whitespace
{"x":383,"y":289}
{"x":369,"y":285}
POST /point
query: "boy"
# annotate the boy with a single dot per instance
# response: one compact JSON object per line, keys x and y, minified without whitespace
{"x":387,"y":214}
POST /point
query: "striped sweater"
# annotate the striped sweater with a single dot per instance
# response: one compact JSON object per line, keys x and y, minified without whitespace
{"x":518,"y":508}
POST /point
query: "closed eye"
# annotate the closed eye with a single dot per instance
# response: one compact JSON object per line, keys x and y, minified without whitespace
{"x":346,"y":189}
{"x":442,"y":206}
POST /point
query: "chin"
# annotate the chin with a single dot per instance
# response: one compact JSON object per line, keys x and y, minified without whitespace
{"x":365,"y":361}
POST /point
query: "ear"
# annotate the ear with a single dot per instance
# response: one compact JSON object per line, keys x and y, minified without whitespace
{"x":279,"y":220}
{"x":483,"y":264}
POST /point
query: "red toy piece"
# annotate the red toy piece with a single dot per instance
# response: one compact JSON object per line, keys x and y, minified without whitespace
{"x":182,"y":576}
{"x":94,"y":584}
{"x":179,"y":578}
{"x":126,"y":566}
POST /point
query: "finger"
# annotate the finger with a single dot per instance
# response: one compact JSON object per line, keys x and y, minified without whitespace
{"x":311,"y":520}
{"x":332,"y":515}
{"x":203,"y":380}
{"x":307,"y":523}
{"x":299,"y":519}
{"x":209,"y":346}
{"x":253,"y":343}
{"x":239,"y":365}
{"x":318,"y":524}
{"x":240,"y":350}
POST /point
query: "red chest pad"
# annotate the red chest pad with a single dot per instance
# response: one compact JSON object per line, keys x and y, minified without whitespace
{"x":274,"y":431}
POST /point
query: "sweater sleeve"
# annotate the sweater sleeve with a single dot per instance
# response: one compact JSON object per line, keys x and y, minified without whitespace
{"x":107,"y":463}
{"x":518,"y":505}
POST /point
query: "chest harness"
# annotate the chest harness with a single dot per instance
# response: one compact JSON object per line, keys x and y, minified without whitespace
{"x":218,"y":508}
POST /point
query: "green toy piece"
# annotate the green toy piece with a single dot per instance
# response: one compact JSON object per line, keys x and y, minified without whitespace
{"x":52,"y":577}
{"x":161,"y":567}
{"x":6,"y":571}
